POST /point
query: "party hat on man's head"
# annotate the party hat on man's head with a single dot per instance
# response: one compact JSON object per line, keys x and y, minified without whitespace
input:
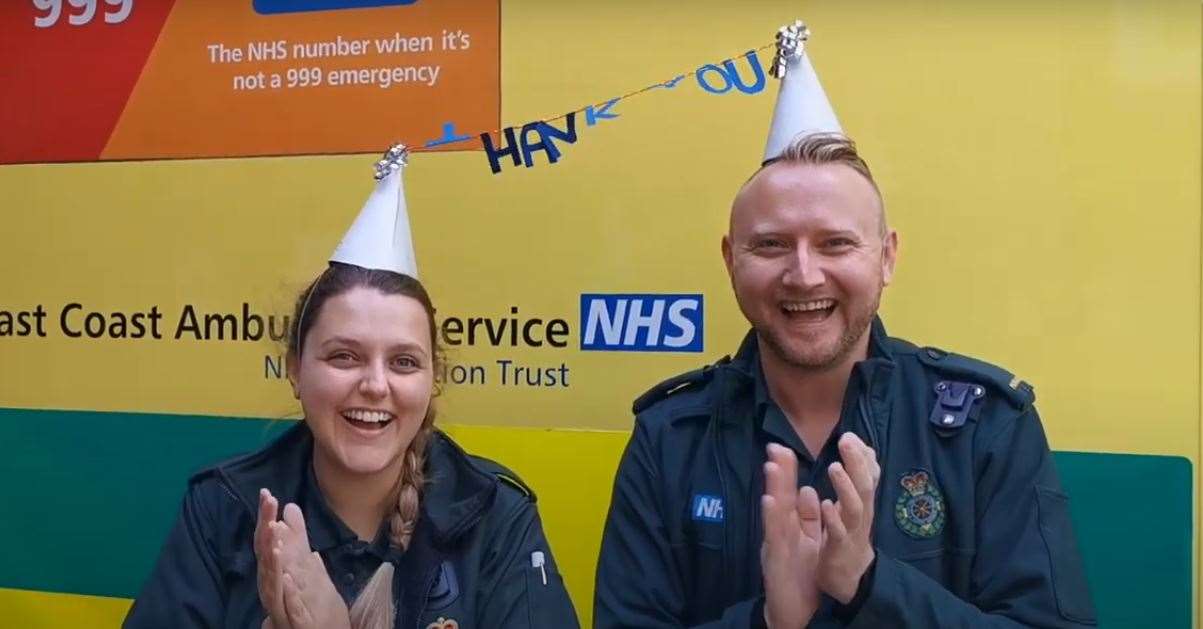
{"x":380,"y":236}
{"x":802,"y":107}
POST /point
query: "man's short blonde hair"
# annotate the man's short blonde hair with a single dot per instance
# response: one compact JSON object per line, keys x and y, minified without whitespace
{"x":827,"y":148}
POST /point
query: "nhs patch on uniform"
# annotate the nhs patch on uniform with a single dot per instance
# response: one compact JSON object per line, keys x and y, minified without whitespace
{"x":641,"y":323}
{"x":707,"y":508}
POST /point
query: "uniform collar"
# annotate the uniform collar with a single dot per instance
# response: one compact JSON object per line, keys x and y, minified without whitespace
{"x":746,"y":363}
{"x":456,"y":495}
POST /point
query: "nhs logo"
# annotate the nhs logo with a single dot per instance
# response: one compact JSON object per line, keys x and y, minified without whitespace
{"x":641,"y":323}
{"x":707,"y":508}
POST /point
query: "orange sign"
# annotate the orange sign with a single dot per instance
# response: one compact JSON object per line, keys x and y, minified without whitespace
{"x":194,"y":78}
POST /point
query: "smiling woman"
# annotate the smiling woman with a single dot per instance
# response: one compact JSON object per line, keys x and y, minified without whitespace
{"x":386,"y":522}
{"x":366,"y":384}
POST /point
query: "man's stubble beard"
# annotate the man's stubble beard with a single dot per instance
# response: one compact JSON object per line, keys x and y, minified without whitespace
{"x":857,"y":328}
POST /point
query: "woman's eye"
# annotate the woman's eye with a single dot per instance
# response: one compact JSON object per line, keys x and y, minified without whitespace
{"x":405,"y":362}
{"x":342,"y":358}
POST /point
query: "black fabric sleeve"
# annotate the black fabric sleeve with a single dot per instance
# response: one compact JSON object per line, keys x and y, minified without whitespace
{"x":185,"y":588}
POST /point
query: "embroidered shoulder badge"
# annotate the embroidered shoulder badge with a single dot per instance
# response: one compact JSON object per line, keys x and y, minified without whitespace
{"x":443,"y":623}
{"x":920,"y":509}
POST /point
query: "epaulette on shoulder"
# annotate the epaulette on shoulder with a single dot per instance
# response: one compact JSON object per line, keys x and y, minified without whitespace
{"x":1019,"y":393}
{"x":199,"y":476}
{"x":505,"y":475}
{"x":676,"y":384}
{"x":217,"y":469}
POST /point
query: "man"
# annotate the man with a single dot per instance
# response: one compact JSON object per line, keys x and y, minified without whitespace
{"x":928,"y":496}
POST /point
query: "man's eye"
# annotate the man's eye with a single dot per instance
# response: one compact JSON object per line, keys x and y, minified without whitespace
{"x":770,"y":243}
{"x":836,"y":243}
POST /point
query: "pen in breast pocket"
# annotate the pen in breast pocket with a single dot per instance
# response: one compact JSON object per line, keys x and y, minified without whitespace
{"x":537,"y":561}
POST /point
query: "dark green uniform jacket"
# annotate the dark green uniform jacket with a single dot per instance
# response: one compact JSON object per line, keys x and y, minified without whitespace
{"x":470,"y":559}
{"x":971,"y":526}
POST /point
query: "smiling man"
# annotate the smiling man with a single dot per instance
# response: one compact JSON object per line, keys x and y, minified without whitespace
{"x":829,"y":474}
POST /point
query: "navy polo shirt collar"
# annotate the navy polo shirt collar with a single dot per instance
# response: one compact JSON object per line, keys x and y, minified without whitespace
{"x":326,"y":529}
{"x":769,"y":417}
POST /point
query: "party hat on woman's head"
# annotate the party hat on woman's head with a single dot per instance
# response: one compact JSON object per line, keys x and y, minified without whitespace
{"x":802,"y":107}
{"x":380,"y":237}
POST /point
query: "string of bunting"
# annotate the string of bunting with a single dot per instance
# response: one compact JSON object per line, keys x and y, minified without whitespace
{"x":518,"y":144}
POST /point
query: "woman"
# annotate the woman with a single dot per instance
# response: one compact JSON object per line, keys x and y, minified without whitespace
{"x":386,"y":521}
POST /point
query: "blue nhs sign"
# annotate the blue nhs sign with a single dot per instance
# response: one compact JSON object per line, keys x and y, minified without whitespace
{"x":641,"y":323}
{"x":707,"y":508}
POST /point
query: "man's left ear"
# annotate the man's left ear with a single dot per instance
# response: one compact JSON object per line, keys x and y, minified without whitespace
{"x":889,"y":256}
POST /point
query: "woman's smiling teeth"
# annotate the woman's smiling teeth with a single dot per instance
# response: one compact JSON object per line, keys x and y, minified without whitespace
{"x":368,"y":418}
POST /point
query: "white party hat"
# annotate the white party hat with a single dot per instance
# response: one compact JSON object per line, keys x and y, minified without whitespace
{"x":380,"y":237}
{"x":802,"y":106}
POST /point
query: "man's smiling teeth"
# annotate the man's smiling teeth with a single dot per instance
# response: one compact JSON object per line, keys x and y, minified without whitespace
{"x":361,"y":415}
{"x":808,"y":306}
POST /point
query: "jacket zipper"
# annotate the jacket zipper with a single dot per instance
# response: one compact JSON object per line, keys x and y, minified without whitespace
{"x":879,"y":451}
